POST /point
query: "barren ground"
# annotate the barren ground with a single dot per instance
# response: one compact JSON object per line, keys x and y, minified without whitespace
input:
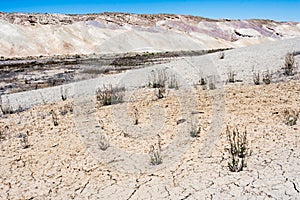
{"x":57,"y":164}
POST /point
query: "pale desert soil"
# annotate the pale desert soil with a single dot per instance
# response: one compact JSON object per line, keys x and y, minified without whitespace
{"x":63,"y":162}
{"x":59,"y":165}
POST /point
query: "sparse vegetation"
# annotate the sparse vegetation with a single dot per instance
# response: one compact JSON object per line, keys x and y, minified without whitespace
{"x":267,"y":77}
{"x":290,"y":117}
{"x":173,"y":82}
{"x":136,"y":116}
{"x":160,"y":92}
{"x":231,"y":76}
{"x":290,"y":64}
{"x":65,"y":109}
{"x":221,"y":55}
{"x":195,"y":131}
{"x":238,"y":149}
{"x":212,"y":83}
{"x":103,"y":143}
{"x":54,"y":117}
{"x":203,"y":81}
{"x":63,"y":93}
{"x":110,"y":95}
{"x":156,"y":158}
{"x":6,"y":108}
{"x":158,"y":78}
{"x":3,"y":133}
{"x":256,"y":78}
{"x":24,"y":141}
{"x":155,"y":154}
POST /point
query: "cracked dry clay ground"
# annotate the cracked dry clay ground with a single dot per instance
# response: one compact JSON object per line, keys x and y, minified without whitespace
{"x":57,"y":164}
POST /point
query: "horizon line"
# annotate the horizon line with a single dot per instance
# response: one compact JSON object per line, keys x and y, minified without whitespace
{"x":121,"y":12}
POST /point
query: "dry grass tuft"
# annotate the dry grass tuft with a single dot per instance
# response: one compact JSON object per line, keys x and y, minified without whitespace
{"x":110,"y":95}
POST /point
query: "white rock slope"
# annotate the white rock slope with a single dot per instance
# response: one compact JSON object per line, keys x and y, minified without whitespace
{"x":51,"y":34}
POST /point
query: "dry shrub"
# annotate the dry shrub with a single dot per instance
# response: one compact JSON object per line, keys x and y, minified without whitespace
{"x":267,"y":77}
{"x":238,"y":149}
{"x":290,"y":64}
{"x":231,"y":76}
{"x":103,"y":143}
{"x":195,"y":131}
{"x":110,"y":95}
{"x":54,"y":117}
{"x":290,"y":117}
{"x":155,"y":153}
{"x":158,"y":78}
{"x":256,"y":78}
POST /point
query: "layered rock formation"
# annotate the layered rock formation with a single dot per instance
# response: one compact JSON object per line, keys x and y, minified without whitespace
{"x":51,"y":34}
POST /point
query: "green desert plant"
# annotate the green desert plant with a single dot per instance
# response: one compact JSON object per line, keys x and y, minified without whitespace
{"x":103,"y":143}
{"x":238,"y":149}
{"x":155,"y":154}
{"x":110,"y":95}
{"x":156,"y":158}
{"x":290,"y":64}
{"x":195,"y":131}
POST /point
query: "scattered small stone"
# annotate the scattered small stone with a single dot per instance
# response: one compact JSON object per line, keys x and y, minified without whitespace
{"x":180,"y":121}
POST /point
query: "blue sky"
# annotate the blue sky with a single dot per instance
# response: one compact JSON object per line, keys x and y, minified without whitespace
{"x":281,"y":10}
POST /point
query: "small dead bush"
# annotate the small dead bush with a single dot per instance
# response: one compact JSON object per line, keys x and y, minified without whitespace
{"x":155,"y":154}
{"x":256,"y":78}
{"x":136,"y":116}
{"x":54,"y":117}
{"x":24,"y":141}
{"x":63,"y":93}
{"x":6,"y":108}
{"x":173,"y":82}
{"x":231,"y":76}
{"x":212,"y":83}
{"x":155,"y":157}
{"x":267,"y":77}
{"x":221,"y":55}
{"x":158,"y":78}
{"x":290,"y":64}
{"x":3,"y":133}
{"x":290,"y":117}
{"x":160,"y":92}
{"x":238,"y":149}
{"x":203,"y":81}
{"x":110,"y":95}
{"x":103,"y":143}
